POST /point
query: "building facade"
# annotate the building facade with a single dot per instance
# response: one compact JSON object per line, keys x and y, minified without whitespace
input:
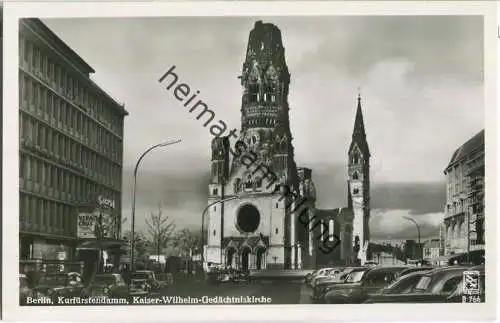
{"x":433,"y":249}
{"x":262,"y":206}
{"x":71,"y":146}
{"x":464,"y":210}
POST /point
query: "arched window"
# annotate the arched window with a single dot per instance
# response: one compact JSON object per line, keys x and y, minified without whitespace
{"x":253,"y":92}
{"x":331,"y":228}
{"x":355,"y":191}
{"x":215,"y":232}
{"x":355,"y":158}
{"x":355,"y":175}
{"x":258,"y":182}
{"x":321,"y":222}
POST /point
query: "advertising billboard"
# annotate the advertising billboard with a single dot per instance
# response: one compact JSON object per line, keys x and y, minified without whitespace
{"x":101,"y":216}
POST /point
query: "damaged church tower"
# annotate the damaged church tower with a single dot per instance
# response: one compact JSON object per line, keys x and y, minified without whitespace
{"x":258,"y":229}
{"x":252,"y":223}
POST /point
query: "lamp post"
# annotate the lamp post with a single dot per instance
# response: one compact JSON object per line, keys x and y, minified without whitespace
{"x":418,"y":231}
{"x":163,"y":144}
{"x":203,"y":224}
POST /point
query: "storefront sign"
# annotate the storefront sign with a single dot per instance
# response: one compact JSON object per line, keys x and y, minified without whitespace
{"x":87,"y":223}
{"x":106,"y":202}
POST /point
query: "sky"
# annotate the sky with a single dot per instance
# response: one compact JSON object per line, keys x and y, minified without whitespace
{"x":420,"y":78}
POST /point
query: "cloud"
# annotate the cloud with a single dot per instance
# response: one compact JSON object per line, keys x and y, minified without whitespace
{"x":417,"y":198}
{"x":435,"y":44}
{"x":421,"y":79}
{"x":390,"y":225}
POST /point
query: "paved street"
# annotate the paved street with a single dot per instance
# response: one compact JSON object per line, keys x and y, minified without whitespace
{"x":280,"y":292}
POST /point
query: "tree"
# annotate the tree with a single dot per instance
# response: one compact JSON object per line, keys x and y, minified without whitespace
{"x":105,"y":226}
{"x":186,"y":241}
{"x":140,"y":244}
{"x":160,"y":229}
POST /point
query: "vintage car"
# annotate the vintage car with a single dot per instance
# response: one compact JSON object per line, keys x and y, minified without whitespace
{"x":24,"y":290}
{"x":348,"y":275}
{"x":110,"y":284}
{"x":403,"y":285}
{"x":370,"y":282}
{"x":59,"y":284}
{"x":413,"y":269}
{"x":435,"y":286}
{"x":319,"y":273}
{"x":335,"y":276}
{"x":309,"y":276}
{"x":143,"y":282}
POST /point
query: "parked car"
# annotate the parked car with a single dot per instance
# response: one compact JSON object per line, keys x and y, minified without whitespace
{"x":370,"y":282}
{"x":331,"y":274}
{"x":59,"y":284}
{"x":24,"y":290}
{"x":403,"y":285}
{"x":348,"y":275}
{"x":309,"y":276}
{"x":320,"y":273}
{"x":413,"y":269}
{"x":435,"y":286}
{"x":109,"y":284}
{"x":143,"y":282}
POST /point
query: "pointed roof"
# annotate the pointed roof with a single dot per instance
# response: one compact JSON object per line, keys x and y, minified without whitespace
{"x":470,"y":146}
{"x":359,"y":125}
{"x":359,"y":134}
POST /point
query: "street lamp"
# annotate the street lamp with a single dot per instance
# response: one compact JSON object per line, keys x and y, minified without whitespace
{"x":418,"y":231}
{"x":163,"y":144}
{"x":203,"y":224}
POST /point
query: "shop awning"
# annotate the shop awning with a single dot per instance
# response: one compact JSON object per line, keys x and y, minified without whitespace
{"x":105,"y":244}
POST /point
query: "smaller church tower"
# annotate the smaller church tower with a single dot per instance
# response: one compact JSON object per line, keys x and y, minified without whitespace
{"x":359,"y":186}
{"x":216,"y":191}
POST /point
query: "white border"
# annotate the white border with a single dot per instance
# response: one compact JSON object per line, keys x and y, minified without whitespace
{"x":435,"y":312}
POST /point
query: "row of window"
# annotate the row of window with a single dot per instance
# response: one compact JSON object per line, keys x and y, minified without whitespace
{"x":58,"y":145}
{"x":40,"y":215}
{"x":330,"y":233}
{"x":41,"y":102}
{"x":46,"y":66}
{"x":47,"y":175}
{"x":457,"y":181}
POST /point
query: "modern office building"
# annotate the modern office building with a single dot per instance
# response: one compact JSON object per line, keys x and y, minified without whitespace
{"x":71,"y":148}
{"x":464,"y":211}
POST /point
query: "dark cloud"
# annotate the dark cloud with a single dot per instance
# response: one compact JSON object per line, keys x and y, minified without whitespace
{"x":188,"y":191}
{"x":420,"y":198}
{"x":391,"y":224}
{"x":420,"y":76}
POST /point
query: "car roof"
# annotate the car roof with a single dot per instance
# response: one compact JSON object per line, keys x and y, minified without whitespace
{"x":480,"y":267}
{"x":387,"y":269}
{"x":108,"y":274}
{"x":74,"y":273}
{"x":416,"y":269}
{"x":447,"y":269}
{"x":413,"y":273}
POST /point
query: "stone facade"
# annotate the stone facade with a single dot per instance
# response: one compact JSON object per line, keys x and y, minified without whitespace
{"x":262,"y":206}
{"x":465,"y":197}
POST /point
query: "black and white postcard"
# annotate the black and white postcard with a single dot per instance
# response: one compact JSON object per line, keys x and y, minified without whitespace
{"x":211,"y":160}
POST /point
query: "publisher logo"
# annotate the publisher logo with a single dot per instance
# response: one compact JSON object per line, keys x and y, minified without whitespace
{"x":471,"y":282}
